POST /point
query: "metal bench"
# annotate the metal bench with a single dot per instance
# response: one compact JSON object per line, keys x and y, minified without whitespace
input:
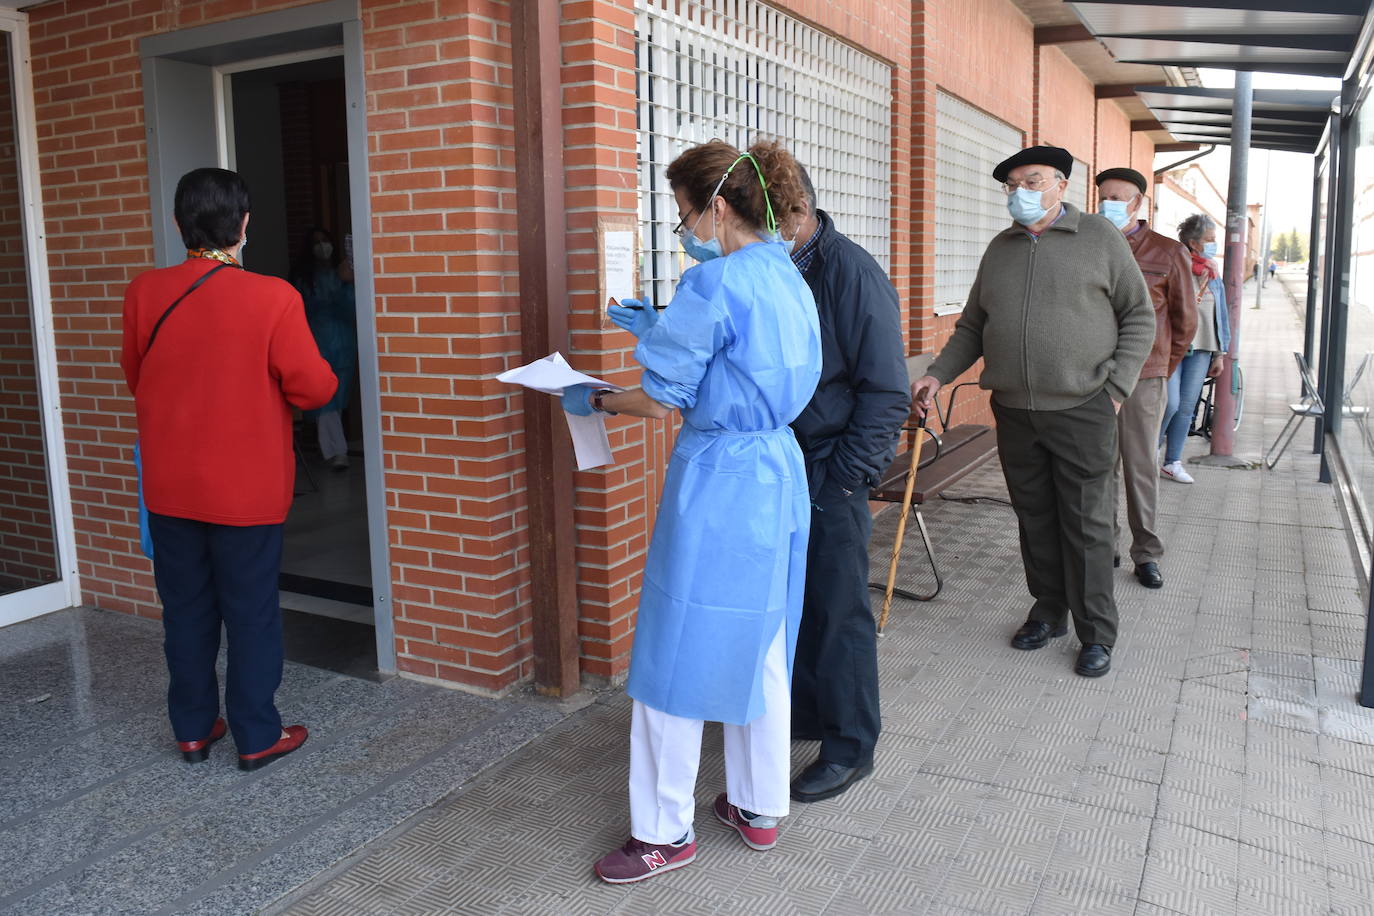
{"x":957,"y":451}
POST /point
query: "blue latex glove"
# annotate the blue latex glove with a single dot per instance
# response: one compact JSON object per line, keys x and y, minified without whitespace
{"x":636,"y":320}
{"x":577,"y":400}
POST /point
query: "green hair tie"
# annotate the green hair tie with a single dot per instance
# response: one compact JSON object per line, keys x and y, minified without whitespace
{"x":772,"y":223}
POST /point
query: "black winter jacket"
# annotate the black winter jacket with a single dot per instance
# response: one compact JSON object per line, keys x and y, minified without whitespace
{"x":849,"y":430}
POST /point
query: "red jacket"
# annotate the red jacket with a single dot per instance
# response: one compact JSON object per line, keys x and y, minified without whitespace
{"x":214,"y":395}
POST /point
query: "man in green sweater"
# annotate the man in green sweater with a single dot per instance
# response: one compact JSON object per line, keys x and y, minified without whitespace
{"x":1061,"y":316}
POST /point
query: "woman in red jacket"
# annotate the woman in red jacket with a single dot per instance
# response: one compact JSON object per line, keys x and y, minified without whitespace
{"x":215,"y":357}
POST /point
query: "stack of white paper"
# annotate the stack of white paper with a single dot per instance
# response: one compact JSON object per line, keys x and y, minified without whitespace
{"x":551,"y":375}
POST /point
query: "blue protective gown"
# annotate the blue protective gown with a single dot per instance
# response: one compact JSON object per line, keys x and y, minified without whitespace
{"x":738,"y":352}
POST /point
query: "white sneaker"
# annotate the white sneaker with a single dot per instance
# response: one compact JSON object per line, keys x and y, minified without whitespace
{"x":1174,"y":471}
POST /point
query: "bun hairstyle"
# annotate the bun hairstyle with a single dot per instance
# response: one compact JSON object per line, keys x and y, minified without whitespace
{"x":697,"y":171}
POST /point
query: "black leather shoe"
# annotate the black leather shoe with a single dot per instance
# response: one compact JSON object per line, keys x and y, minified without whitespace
{"x":1116,"y":561}
{"x":1036,"y":634}
{"x":824,"y":780}
{"x":1093,"y":660}
{"x":1148,"y":574}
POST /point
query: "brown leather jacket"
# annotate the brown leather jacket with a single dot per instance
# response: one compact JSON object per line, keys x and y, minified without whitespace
{"x":1169,"y":275}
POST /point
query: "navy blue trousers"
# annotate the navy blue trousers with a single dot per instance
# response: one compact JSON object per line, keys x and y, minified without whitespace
{"x":835,"y":673}
{"x":208,"y":576}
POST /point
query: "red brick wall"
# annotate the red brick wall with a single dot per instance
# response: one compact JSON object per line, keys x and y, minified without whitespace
{"x":982,"y":51}
{"x":1067,"y":105}
{"x":443,"y":230}
{"x":1113,"y":142}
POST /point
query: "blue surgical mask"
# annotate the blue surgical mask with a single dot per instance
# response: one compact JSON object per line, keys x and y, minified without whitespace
{"x":1209,"y":249}
{"x":1116,"y":211}
{"x":1024,"y":206}
{"x":702,"y":251}
{"x":695,"y":247}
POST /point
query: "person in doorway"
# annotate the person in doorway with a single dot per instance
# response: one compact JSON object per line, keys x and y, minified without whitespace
{"x":738,"y":353}
{"x":1165,"y":264}
{"x":1061,"y":316}
{"x":216,"y":357}
{"x":847,"y":434}
{"x":1209,"y":344}
{"x":325,"y":282}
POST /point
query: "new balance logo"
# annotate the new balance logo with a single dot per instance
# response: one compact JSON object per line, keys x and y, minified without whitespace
{"x":654,"y":859}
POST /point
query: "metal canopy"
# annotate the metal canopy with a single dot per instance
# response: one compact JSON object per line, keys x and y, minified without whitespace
{"x":1315,"y":38}
{"x":1284,"y":119}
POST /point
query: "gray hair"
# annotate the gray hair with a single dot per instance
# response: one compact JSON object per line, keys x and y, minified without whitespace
{"x":807,"y":186}
{"x":1195,"y":227}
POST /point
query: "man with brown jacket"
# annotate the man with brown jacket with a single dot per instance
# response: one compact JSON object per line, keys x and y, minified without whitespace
{"x":1165,"y":264}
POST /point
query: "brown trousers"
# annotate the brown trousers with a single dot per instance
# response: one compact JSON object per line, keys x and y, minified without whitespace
{"x":1137,"y":467}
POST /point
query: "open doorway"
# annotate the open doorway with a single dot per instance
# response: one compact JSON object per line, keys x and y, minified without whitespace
{"x":286,"y":134}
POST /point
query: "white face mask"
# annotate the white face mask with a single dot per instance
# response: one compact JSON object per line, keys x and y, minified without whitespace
{"x":323,"y":250}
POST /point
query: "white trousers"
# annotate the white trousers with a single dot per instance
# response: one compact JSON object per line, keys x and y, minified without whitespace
{"x":332,"y":440}
{"x":665,"y":751}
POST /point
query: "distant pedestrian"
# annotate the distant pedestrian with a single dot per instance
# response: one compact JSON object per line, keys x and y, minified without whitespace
{"x":1165,"y":264}
{"x":1061,"y":317}
{"x":1210,"y":343}
{"x":847,"y":434}
{"x":738,"y":353}
{"x":216,"y":357}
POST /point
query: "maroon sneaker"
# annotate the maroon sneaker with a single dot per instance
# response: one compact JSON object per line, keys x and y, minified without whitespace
{"x":196,"y":751}
{"x":295,"y":737}
{"x":637,"y":860}
{"x":759,"y":833}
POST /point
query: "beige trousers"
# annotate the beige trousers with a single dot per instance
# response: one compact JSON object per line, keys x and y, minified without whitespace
{"x":1137,"y":465}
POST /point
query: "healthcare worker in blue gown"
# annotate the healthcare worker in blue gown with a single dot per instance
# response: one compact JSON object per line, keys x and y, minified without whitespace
{"x":738,"y":352}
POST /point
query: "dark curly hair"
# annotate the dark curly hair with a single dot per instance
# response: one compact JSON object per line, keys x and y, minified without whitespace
{"x":1195,"y":227}
{"x":698,"y":169}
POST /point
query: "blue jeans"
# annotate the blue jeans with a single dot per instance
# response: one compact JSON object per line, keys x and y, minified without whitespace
{"x":1185,"y":386}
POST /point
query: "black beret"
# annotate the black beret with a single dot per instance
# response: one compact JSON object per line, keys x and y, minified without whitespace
{"x":1053,"y":156}
{"x":1130,"y":175}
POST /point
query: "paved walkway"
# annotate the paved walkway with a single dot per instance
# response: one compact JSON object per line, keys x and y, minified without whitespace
{"x":98,"y":814}
{"x":1223,"y":767}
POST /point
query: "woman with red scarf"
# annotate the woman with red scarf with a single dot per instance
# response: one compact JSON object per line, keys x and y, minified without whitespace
{"x":1199,"y":233}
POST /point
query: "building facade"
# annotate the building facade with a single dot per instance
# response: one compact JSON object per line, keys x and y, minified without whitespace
{"x":396,"y":126}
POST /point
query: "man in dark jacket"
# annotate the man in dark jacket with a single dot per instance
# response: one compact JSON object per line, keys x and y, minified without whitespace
{"x":1169,"y":275}
{"x":847,"y":434}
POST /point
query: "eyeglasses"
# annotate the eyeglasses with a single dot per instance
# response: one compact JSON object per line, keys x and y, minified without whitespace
{"x":680,"y":230}
{"x":1030,"y":183}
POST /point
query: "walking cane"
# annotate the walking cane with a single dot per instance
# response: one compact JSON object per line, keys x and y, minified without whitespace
{"x":901,"y":524}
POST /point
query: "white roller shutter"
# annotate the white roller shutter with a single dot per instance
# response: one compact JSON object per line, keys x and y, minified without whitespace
{"x":970,"y":208}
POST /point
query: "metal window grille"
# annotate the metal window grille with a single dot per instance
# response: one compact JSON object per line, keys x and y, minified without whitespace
{"x":740,"y":70}
{"x":970,"y":208}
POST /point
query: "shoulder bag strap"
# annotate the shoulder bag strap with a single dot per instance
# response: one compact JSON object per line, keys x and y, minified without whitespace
{"x":191,"y":289}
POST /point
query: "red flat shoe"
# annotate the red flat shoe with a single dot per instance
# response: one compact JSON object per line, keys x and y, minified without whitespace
{"x":196,"y":751}
{"x":295,"y":737}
